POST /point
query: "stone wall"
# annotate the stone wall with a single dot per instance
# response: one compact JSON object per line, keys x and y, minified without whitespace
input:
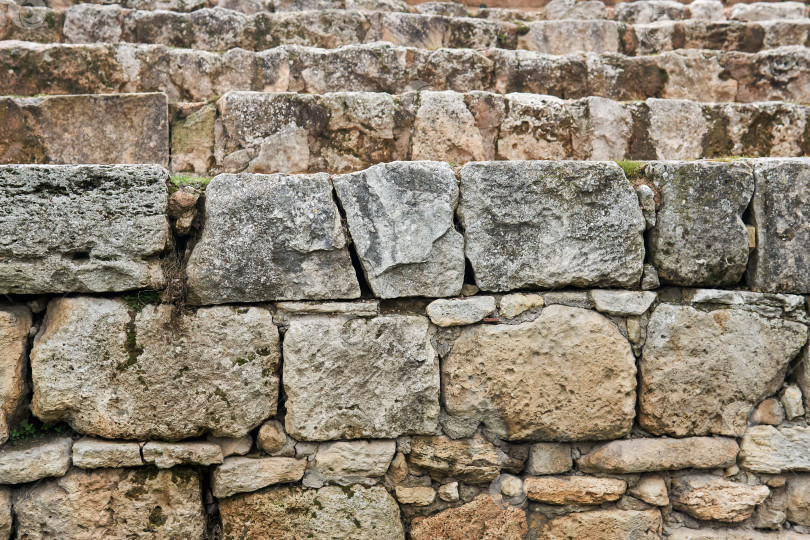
{"x":508,"y":349}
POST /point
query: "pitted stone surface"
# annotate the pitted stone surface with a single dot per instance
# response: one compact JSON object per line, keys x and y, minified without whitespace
{"x":573,"y":489}
{"x":115,"y":504}
{"x":699,"y":237}
{"x":646,"y":455}
{"x":222,"y":378}
{"x":708,"y":497}
{"x":544,"y":379}
{"x":167,"y":455}
{"x":360,"y":378}
{"x":550,"y":224}
{"x":275,"y":237}
{"x":459,"y":312}
{"x":475,"y":461}
{"x":90,"y":453}
{"x":638,"y":525}
{"x":81,"y":228}
{"x":34,"y":461}
{"x":767,"y":449}
{"x":15,"y":322}
{"x":704,"y":372}
{"x":243,"y":474}
{"x":290,"y":513}
{"x":485,"y":517}
{"x":400,"y":218}
{"x":350,"y":462}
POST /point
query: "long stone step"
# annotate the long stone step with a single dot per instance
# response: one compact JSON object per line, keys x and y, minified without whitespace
{"x":188,"y":75}
{"x":219,"y":29}
{"x":342,"y":132}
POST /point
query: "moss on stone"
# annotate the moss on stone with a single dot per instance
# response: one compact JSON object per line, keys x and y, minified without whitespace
{"x":632,"y":169}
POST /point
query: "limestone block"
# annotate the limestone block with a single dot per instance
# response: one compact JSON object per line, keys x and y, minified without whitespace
{"x":475,"y":461}
{"x":708,"y":497}
{"x":484,"y":517}
{"x":15,"y":323}
{"x":646,"y":455}
{"x":549,"y":458}
{"x":167,"y":455}
{"x":567,"y":36}
{"x":460,"y":312}
{"x":35,"y":460}
{"x":573,"y":489}
{"x":766,"y":449}
{"x":90,"y":453}
{"x":350,"y":462}
{"x":243,"y":474}
{"x":639,"y":525}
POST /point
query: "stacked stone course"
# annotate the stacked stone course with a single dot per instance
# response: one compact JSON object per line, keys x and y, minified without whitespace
{"x":336,"y":269}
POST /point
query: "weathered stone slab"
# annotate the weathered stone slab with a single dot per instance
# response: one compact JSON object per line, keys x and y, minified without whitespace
{"x":685,"y":533}
{"x":533,"y":224}
{"x":766,"y":449}
{"x":222,"y":377}
{"x":567,"y":36}
{"x":622,"y":303}
{"x":475,"y":461}
{"x":445,"y":129}
{"x":289,"y":513}
{"x":115,"y":504}
{"x":89,"y":453}
{"x":639,"y":525}
{"x":798,"y":500}
{"x":81,"y":228}
{"x":360,"y":378}
{"x":699,"y":237}
{"x":129,"y":128}
{"x":241,"y":474}
{"x":646,"y":12}
{"x":512,"y":305}
{"x":646,"y":455}
{"x":415,"y":496}
{"x":167,"y":455}
{"x":15,"y":323}
{"x":538,"y":380}
{"x":571,"y":9}
{"x":238,"y":260}
{"x":765,"y":11}
{"x":484,"y":517}
{"x":781,"y":260}
{"x":349,"y":462}
{"x":704,"y":372}
{"x":459,"y":312}
{"x":400,"y":218}
{"x":35,"y":460}
{"x":652,"y":489}
{"x":709,"y":497}
{"x":549,"y":458}
{"x":573,"y":489}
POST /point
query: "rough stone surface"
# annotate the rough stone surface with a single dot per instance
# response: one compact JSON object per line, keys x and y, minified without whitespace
{"x":231,"y":446}
{"x":567,"y":36}
{"x":449,"y":492}
{"x":122,"y":128}
{"x":704,"y":372}
{"x":81,"y":228}
{"x":444,"y":129}
{"x":765,"y":11}
{"x":15,"y":322}
{"x":242,"y":474}
{"x":167,"y":455}
{"x":289,"y":513}
{"x":708,"y":497}
{"x":35,"y":460}
{"x":638,"y":525}
{"x":549,"y":458}
{"x":781,"y":261}
{"x":415,"y":496}
{"x":646,"y":455}
{"x":485,"y":517}
{"x":512,"y":305}
{"x":798,"y":503}
{"x":544,"y":380}
{"x":475,"y":461}
{"x":768,"y":412}
{"x":573,"y":489}
{"x":732,"y":534}
{"x":649,"y":11}
{"x":89,"y":453}
{"x":622,"y":302}
{"x":400,"y":218}
{"x":271,"y":438}
{"x":791,"y":400}
{"x":699,"y":237}
{"x":115,"y":504}
{"x":652,"y":489}
{"x":305,"y":257}
{"x":350,"y":462}
{"x":460,"y":312}
{"x":360,"y":378}
{"x":6,"y":518}
{"x":534,"y":224}
{"x":222,"y":378}
{"x":766,"y":449}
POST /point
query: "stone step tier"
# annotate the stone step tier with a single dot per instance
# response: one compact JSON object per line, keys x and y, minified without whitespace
{"x":220,"y":30}
{"x":35,"y":69}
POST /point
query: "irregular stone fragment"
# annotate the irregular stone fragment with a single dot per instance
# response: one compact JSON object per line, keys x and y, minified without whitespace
{"x":192,"y":140}
{"x":622,"y":303}
{"x":542,"y":380}
{"x":511,"y":486}
{"x":531,"y":225}
{"x":512,"y":305}
{"x":167,"y":455}
{"x":306,"y":257}
{"x":676,"y":128}
{"x":460,"y":312}
{"x":475,"y":461}
{"x":415,"y":496}
{"x":571,"y":9}
{"x":791,"y":399}
{"x":231,"y":446}
{"x":649,"y":280}
{"x":485,"y":516}
{"x":711,"y":498}
{"x":81,"y":228}
{"x":781,"y":261}
{"x":798,"y":493}
{"x":15,"y":323}
{"x":573,"y":489}
{"x":535,"y":127}
{"x":289,"y":513}
{"x":271,"y":438}
{"x":444,"y":129}
{"x":242,"y":474}
{"x":603,"y":129}
{"x":646,"y":455}
{"x":183,"y":209}
{"x":706,"y":10}
{"x":651,"y":489}
{"x":350,"y":462}
{"x":703,"y":372}
{"x":768,"y":412}
{"x":222,"y":377}
{"x":765,"y":11}
{"x":449,"y":492}
{"x":549,"y":458}
{"x":34,"y":461}
{"x":699,"y":237}
{"x":790,"y":306}
{"x":638,"y":525}
{"x":649,"y":11}
{"x":6,"y":518}
{"x":89,"y":453}
{"x":360,"y":378}
{"x":115,"y":504}
{"x":116,"y":128}
{"x":400,"y":218}
{"x":770,"y":450}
